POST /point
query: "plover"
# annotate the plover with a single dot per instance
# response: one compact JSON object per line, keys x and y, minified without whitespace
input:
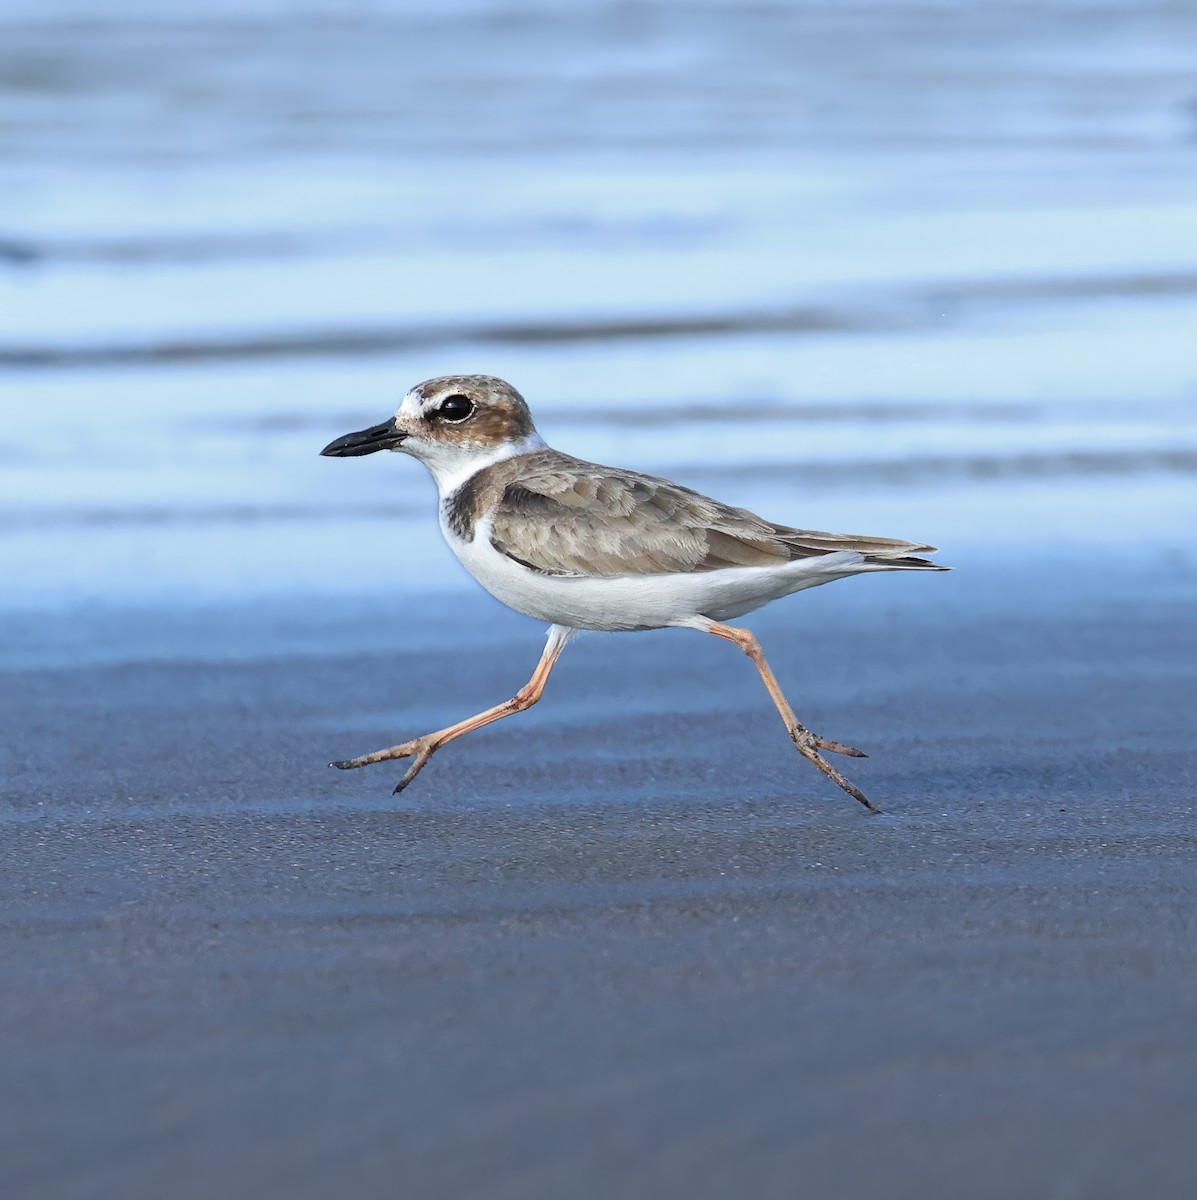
{"x":583,"y":546}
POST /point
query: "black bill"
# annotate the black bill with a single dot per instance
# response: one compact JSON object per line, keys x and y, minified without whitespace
{"x":378,"y":437}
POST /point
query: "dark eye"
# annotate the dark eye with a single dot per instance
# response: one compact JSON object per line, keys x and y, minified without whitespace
{"x":455,"y":408}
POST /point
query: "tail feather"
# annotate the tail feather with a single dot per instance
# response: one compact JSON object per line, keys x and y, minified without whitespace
{"x":883,"y":554}
{"x":905,"y":562}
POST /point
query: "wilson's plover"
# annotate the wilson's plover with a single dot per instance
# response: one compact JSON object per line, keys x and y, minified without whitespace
{"x":589,"y":547}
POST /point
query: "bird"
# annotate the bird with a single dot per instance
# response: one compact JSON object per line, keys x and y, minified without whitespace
{"x":589,"y":547}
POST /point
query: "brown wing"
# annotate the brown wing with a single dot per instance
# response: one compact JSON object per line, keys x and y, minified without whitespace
{"x":577,"y":518}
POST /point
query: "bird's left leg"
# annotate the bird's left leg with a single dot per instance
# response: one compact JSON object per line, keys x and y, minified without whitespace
{"x":808,"y":744}
{"x":421,"y":749}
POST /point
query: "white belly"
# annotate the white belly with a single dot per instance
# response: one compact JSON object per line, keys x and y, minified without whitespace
{"x":629,"y":602}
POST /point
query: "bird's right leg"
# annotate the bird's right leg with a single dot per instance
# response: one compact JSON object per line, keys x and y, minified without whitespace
{"x":421,"y":749}
{"x":807,"y":743}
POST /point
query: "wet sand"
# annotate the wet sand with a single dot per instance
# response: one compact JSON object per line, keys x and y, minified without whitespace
{"x":627,"y":944}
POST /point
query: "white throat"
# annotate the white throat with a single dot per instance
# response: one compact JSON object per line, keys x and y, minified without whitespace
{"x":451,"y":470}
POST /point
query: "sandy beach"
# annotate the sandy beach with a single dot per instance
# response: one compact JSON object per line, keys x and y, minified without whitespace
{"x":629,"y":943}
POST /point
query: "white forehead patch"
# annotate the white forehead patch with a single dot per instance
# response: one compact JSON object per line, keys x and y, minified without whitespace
{"x":411,"y":406}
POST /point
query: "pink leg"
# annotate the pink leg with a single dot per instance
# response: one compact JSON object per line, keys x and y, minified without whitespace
{"x":808,"y":744}
{"x":421,"y":749}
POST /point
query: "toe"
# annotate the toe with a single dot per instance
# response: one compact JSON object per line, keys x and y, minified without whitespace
{"x":839,"y":748}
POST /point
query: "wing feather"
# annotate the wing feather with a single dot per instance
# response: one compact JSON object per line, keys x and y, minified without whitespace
{"x":571,"y":517}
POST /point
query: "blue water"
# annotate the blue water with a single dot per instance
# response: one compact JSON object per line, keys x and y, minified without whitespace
{"x":923,"y":270}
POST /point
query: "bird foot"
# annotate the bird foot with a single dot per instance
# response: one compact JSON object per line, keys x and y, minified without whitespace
{"x":809,"y":744}
{"x":420,"y":749}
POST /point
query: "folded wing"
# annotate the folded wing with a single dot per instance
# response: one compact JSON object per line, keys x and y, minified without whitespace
{"x":577,"y":518}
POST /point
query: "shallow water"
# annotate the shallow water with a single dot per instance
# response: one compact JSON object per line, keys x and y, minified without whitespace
{"x":945,"y":293}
